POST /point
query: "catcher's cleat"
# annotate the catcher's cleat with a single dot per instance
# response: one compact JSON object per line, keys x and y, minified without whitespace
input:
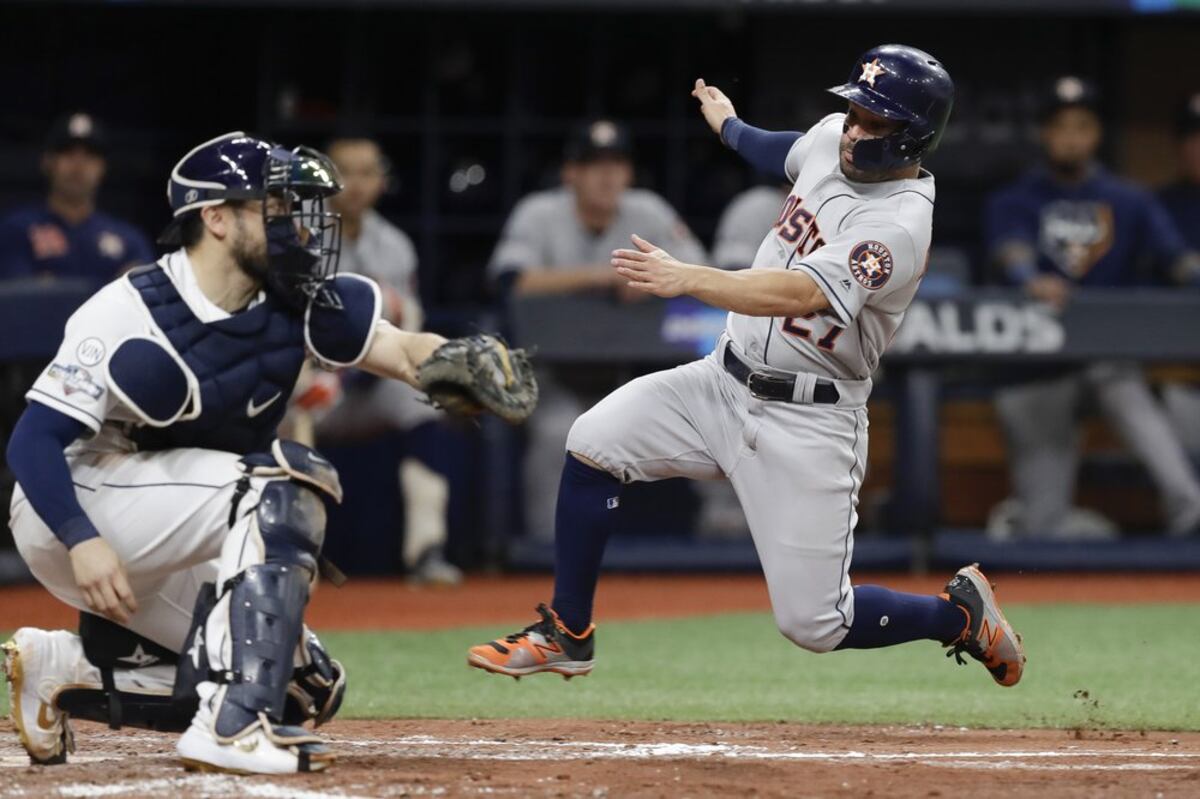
{"x":545,"y":646}
{"x":29,"y":666}
{"x":987,"y":637}
{"x":262,"y":748}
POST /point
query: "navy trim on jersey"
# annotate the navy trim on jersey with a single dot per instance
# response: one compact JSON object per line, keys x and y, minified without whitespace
{"x":67,"y":404}
{"x":848,"y":318}
{"x":922,"y":195}
{"x":849,"y":529}
{"x":168,"y":485}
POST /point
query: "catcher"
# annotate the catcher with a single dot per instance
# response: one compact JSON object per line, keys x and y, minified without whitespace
{"x":154,"y":496}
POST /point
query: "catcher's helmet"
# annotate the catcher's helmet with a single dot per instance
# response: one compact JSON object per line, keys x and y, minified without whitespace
{"x":899,"y":82}
{"x":303,"y":243}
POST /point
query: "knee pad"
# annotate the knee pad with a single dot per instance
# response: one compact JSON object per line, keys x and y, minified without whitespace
{"x":291,"y":522}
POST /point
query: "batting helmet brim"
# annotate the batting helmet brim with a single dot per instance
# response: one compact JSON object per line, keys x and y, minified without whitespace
{"x":873,"y":101}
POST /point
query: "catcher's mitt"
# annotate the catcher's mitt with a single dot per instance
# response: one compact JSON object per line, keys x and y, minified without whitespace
{"x":466,"y":376}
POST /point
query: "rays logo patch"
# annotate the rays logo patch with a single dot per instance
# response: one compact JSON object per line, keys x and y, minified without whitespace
{"x":871,"y":264}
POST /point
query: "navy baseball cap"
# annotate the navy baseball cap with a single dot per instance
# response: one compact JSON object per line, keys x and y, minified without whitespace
{"x":1068,"y":91}
{"x":78,"y":129}
{"x":600,"y":138}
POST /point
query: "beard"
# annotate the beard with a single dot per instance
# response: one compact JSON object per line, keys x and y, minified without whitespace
{"x":252,"y":261}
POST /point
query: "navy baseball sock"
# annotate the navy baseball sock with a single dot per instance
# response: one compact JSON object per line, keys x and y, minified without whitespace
{"x":587,"y":504}
{"x":883,"y":617}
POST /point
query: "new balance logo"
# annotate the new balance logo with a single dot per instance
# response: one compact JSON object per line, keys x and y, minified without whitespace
{"x":989,"y":634}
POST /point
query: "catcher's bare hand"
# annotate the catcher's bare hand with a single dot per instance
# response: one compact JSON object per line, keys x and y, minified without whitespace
{"x":101,"y":577}
{"x":652,"y":269}
{"x":714,"y":105}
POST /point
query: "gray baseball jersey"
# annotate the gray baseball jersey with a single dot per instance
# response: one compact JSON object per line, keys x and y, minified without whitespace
{"x":745,"y":221}
{"x":384,"y":253}
{"x":865,"y":244}
{"x":544,"y":232}
{"x":796,"y":466}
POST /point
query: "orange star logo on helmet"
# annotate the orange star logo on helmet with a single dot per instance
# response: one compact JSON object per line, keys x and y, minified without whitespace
{"x":870,"y":71}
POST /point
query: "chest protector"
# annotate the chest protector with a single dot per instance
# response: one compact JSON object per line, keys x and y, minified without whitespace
{"x":245,"y":368}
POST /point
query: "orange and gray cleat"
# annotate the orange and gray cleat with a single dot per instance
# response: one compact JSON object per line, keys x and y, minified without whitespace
{"x":988,"y":637}
{"x":545,"y":646}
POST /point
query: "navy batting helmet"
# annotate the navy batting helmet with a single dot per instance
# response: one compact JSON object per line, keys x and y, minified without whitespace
{"x":899,"y":82}
{"x":303,"y":241}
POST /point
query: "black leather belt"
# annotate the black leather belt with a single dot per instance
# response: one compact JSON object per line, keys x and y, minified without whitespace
{"x":769,"y":387}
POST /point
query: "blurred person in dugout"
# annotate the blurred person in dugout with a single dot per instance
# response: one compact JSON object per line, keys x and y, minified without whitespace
{"x":65,"y":237}
{"x":1181,"y":198}
{"x":354,"y":406}
{"x":744,"y":224}
{"x":560,"y":241}
{"x":1065,"y":226}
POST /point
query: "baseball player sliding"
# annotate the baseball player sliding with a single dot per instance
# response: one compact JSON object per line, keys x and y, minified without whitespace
{"x":154,"y":495}
{"x":780,"y":407}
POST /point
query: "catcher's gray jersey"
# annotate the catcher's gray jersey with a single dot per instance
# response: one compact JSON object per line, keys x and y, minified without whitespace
{"x":544,"y":232}
{"x":865,"y":244}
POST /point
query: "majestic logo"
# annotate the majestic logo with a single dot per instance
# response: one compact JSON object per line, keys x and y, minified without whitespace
{"x":871,"y":264}
{"x":870,"y":71}
{"x":253,"y":410}
{"x":75,"y":378}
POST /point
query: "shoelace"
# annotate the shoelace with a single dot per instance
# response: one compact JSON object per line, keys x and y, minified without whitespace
{"x":956,"y":653}
{"x":544,"y":628}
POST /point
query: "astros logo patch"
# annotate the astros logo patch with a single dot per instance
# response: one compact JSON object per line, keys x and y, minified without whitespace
{"x":871,"y":264}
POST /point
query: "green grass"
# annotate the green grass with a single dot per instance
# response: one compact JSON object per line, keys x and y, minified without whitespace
{"x":1139,"y":667}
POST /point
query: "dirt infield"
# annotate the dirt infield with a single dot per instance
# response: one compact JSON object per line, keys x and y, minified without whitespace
{"x":599,"y":759}
{"x":566,"y":758}
{"x":391,"y":604}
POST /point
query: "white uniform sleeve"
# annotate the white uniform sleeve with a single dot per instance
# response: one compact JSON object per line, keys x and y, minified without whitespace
{"x":74,"y":383}
{"x":804,"y":145}
{"x":865,"y":265}
{"x":520,"y":245}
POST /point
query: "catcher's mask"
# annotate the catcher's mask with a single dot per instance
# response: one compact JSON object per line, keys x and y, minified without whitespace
{"x":303,"y":239}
